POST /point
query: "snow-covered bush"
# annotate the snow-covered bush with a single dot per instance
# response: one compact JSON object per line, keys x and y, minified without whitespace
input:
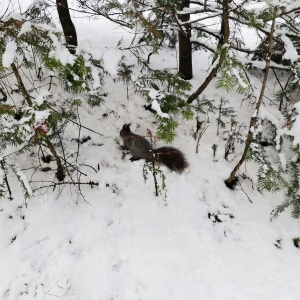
{"x":37,"y":71}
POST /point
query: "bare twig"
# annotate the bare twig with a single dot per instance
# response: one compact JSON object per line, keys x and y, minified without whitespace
{"x":74,"y":122}
{"x":282,"y":89}
{"x":291,"y":74}
{"x":91,"y":167}
{"x":201,"y":133}
{"x":6,"y":181}
{"x":244,"y":191}
{"x":55,"y":184}
{"x":79,"y":132}
{"x":154,"y":172}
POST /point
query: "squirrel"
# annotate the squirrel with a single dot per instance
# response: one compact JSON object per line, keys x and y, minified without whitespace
{"x":140,"y":148}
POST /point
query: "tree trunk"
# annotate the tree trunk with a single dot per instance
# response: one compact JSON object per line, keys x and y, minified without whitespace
{"x":231,"y":181}
{"x":185,"y":46}
{"x":67,"y":24}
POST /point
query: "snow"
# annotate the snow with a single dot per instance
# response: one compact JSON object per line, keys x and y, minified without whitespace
{"x":123,"y":243}
{"x":111,"y":58}
{"x":26,"y":27}
{"x":2,"y":175}
{"x":60,"y":52}
{"x":41,"y":115}
{"x":155,"y":105}
{"x":9,"y":54}
{"x":40,"y":98}
{"x":282,"y":160}
{"x":85,"y":46}
{"x":15,"y":16}
{"x":290,"y":50}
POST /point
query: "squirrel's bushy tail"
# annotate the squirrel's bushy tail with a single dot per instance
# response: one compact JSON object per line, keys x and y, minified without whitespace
{"x":172,"y":158}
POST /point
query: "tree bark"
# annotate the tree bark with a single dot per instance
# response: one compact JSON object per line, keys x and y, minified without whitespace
{"x":231,"y":181}
{"x":67,"y":24}
{"x":185,"y":46}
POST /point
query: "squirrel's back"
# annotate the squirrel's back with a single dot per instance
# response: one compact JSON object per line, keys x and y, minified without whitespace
{"x":139,"y":147}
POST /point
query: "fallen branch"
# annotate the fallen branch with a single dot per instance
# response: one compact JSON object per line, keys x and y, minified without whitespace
{"x":54,"y":185}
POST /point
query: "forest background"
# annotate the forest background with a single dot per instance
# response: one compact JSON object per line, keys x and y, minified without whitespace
{"x":219,"y":80}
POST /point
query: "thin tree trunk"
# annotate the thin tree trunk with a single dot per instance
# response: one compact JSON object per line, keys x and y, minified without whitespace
{"x":60,"y":170}
{"x":21,"y":84}
{"x":60,"y":173}
{"x":225,"y":31}
{"x":231,"y":181}
{"x":185,"y":46}
{"x":67,"y":24}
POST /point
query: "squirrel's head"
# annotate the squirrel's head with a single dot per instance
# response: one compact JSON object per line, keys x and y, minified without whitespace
{"x":125,"y":130}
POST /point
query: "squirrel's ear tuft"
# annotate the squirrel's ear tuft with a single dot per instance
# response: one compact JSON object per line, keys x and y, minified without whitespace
{"x":126,"y":127}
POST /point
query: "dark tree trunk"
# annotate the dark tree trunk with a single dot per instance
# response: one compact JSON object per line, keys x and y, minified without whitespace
{"x":67,"y":24}
{"x":185,"y":46}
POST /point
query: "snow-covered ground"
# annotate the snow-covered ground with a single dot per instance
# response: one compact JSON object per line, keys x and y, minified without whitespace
{"x":203,"y":241}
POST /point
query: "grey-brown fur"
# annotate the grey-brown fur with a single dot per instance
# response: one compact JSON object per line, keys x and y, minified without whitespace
{"x":139,"y":148}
